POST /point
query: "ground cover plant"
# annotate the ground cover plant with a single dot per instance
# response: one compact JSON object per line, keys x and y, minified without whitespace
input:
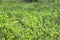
{"x":29,"y":21}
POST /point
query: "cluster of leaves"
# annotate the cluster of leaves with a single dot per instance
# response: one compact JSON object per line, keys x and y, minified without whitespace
{"x":32,"y":21}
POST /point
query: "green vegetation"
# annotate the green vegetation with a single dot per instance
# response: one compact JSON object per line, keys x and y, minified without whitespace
{"x":29,"y":21}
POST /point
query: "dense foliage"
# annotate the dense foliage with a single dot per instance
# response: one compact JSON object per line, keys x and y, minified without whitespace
{"x":30,"y":21}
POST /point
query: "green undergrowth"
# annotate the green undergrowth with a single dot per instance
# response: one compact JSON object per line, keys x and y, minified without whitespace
{"x":29,"y":21}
